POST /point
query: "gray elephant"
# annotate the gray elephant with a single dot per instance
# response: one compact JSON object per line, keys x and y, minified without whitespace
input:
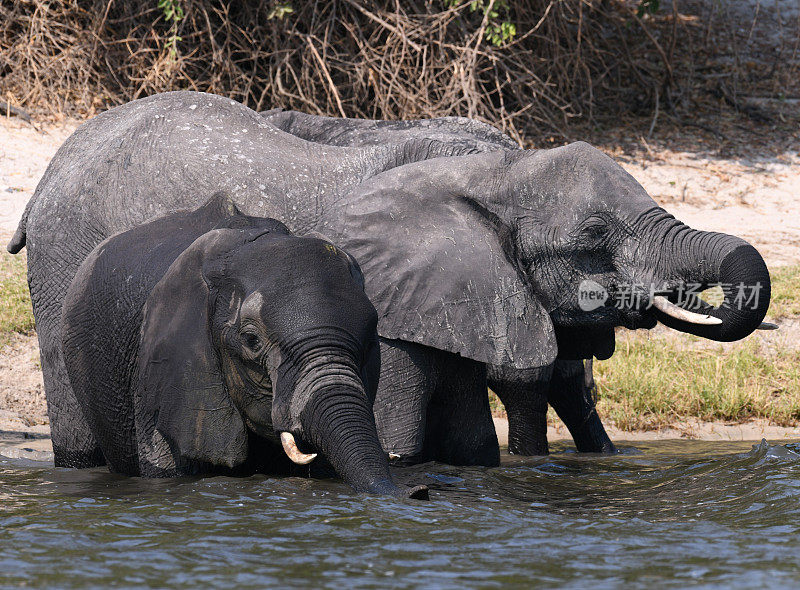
{"x":467,"y":135}
{"x":565,"y":384}
{"x":190,"y":355}
{"x":478,"y":255}
{"x":88,"y":169}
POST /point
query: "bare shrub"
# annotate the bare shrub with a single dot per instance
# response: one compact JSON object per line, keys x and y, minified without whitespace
{"x":379,"y":59}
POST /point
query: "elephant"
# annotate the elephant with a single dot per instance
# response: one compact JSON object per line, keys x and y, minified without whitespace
{"x":565,"y":384}
{"x":485,"y":256}
{"x":190,"y":356}
{"x":468,"y":135}
{"x":57,"y":246}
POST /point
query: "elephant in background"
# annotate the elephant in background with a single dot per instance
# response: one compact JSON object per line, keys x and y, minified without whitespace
{"x":479,"y":255}
{"x":565,"y":384}
{"x":467,"y":135}
{"x":192,"y":354}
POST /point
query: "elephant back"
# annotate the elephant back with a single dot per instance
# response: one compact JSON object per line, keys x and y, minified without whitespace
{"x":461,"y":134}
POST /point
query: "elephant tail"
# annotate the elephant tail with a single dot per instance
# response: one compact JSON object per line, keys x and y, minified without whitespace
{"x":20,"y":237}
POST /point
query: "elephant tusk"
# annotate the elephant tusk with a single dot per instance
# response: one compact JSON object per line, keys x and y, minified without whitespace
{"x":767,"y":326}
{"x":664,"y":305}
{"x":291,"y":450}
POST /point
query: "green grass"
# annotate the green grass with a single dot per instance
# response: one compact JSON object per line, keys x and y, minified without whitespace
{"x":16,"y":315}
{"x":785,"y":292}
{"x":653,"y":382}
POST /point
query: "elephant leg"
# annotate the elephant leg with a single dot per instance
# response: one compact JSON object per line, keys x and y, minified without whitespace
{"x":459,"y":429}
{"x":524,"y":396}
{"x":74,"y":445}
{"x":401,"y":402}
{"x":571,"y":394}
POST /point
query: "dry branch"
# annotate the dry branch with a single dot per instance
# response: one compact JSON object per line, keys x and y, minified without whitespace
{"x":572,"y":60}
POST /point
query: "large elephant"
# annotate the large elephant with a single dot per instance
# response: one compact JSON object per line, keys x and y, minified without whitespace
{"x":100,"y":183}
{"x":565,"y":384}
{"x":481,"y":255}
{"x":192,"y":354}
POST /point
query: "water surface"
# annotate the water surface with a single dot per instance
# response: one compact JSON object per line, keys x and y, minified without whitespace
{"x":662,"y":514}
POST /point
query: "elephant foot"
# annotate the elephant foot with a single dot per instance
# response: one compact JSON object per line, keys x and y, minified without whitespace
{"x":524,"y":397}
{"x":591,"y":437}
{"x":77,"y":460}
{"x":572,"y":392}
{"x":527,"y":433}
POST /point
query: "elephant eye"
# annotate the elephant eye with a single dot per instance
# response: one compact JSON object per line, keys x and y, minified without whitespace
{"x":251,"y":341}
{"x":596,"y":230}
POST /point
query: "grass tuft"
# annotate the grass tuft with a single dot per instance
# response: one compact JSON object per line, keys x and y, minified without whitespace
{"x":650,"y":383}
{"x":16,"y":313}
{"x":785,"y":292}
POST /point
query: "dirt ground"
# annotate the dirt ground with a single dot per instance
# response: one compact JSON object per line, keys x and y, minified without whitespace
{"x":756,"y":197}
{"x":690,"y":429}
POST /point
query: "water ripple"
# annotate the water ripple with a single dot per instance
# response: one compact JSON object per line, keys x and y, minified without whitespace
{"x":663,"y":514}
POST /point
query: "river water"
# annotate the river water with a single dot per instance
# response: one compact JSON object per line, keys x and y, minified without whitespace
{"x":662,"y":514}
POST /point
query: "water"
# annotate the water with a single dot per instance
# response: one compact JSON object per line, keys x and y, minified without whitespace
{"x":665,"y":514}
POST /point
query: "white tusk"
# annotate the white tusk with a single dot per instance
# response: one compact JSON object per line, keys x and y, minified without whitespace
{"x":767,"y":326}
{"x":393,"y":456}
{"x":291,"y":450}
{"x":663,"y":304}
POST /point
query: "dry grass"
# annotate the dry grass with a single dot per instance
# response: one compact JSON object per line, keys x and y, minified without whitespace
{"x":379,"y":59}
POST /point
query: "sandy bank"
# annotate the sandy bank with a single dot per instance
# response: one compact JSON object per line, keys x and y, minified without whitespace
{"x":689,"y":430}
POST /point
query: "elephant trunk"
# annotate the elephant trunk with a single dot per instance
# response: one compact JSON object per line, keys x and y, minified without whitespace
{"x":339,"y":422}
{"x":695,"y":260}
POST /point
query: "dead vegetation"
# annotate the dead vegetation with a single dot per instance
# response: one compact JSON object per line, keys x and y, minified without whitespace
{"x":571,"y":64}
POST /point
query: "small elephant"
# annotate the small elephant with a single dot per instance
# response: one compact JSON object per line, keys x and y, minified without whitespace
{"x":565,"y":384}
{"x":207,"y":340}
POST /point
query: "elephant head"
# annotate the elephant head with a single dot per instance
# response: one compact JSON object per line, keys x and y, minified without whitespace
{"x":488,"y":255}
{"x":254,"y":331}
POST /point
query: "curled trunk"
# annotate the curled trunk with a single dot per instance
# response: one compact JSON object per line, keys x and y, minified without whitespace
{"x":705,"y":259}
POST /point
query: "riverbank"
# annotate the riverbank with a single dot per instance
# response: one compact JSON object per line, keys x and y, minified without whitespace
{"x":751,"y":430}
{"x":658,"y":385}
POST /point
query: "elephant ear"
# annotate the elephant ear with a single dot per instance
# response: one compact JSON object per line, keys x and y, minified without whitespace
{"x":179,"y":391}
{"x":437,"y":273}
